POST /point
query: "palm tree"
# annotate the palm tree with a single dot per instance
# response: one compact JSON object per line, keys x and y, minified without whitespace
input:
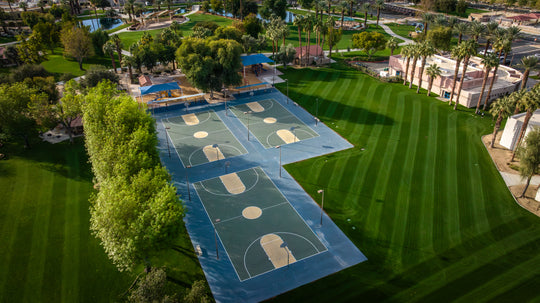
{"x":351,"y":4}
{"x":9,"y":3}
{"x":529,"y":161}
{"x":426,"y":50}
{"x":129,"y":62}
{"x":23,"y":5}
{"x":458,"y":55}
{"x":379,"y":4}
{"x":329,"y":4}
{"x":518,"y":97}
{"x":439,"y":20}
{"x":168,"y":3}
{"x":118,"y":44}
{"x":128,"y":6}
{"x":343,"y":6}
{"x":433,"y":71}
{"x":366,"y":6}
{"x":317,"y":28}
{"x":330,"y":24}
{"x":490,"y":33}
{"x":427,"y":18}
{"x":476,"y":29}
{"x":527,"y":63}
{"x":415,"y":54}
{"x":283,"y":30}
{"x":392,"y":44}
{"x":41,"y":4}
{"x":531,"y":102}
{"x":95,"y":4}
{"x":308,"y":26}
{"x":452,"y":21}
{"x":406,"y":52}
{"x":489,"y":62}
{"x":460,"y":29}
{"x":299,"y":23}
{"x":469,"y":49}
{"x":317,"y":6}
{"x":497,"y":45}
{"x":108,"y":49}
{"x":500,"y":109}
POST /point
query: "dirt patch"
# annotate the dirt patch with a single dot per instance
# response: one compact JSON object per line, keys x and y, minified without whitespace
{"x":501,"y":156}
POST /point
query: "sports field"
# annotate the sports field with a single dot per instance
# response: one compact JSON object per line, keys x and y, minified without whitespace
{"x":419,"y":194}
{"x":201,"y":138}
{"x":258,"y":227}
{"x":271,"y":123}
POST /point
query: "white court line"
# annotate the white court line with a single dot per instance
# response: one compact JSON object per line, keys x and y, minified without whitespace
{"x":227,"y":194}
{"x":240,"y":216}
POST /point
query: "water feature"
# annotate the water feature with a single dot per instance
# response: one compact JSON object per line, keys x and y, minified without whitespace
{"x":103,"y":23}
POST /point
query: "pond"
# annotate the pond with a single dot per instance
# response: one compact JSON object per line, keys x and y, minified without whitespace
{"x":103,"y":23}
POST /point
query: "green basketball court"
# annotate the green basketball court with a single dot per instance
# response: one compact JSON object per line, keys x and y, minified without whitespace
{"x":271,"y":123}
{"x":259,"y":228}
{"x":201,"y":138}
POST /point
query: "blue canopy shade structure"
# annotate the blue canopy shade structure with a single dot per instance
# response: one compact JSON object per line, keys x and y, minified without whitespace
{"x":255,"y":59}
{"x":145,"y":90}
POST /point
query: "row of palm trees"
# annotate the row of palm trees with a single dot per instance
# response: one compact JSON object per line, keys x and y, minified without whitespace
{"x":319,"y":6}
{"x":311,"y":23}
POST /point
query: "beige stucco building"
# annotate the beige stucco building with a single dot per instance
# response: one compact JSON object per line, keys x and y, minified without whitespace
{"x":507,"y":79}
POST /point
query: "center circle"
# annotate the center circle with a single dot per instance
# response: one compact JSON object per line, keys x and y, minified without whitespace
{"x":270,"y":120}
{"x":252,"y":212}
{"x":200,"y":135}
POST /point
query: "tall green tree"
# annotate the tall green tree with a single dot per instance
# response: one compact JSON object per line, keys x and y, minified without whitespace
{"x":528,"y":63}
{"x":427,"y":19}
{"x":415,"y":54}
{"x":286,"y":54}
{"x":108,"y":49}
{"x":426,"y":50}
{"x":299,"y":23}
{"x":118,"y":46}
{"x":497,"y":45}
{"x":490,"y":34}
{"x":392,"y":44}
{"x":461,"y":29}
{"x":343,"y":6}
{"x":529,"y":158}
{"x":469,"y":49}
{"x":501,"y":109}
{"x":379,"y":4}
{"x":366,"y":6}
{"x":489,"y":62}
{"x":531,"y":102}
{"x":77,"y":44}
{"x":308,"y":27}
{"x":369,"y":42}
{"x":70,"y":106}
{"x":476,"y":29}
{"x":458,"y":55}
{"x":433,"y":71}
{"x":406,"y":52}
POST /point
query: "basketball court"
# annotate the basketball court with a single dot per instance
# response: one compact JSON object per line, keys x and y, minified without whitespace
{"x":256,"y":224}
{"x":201,"y":137}
{"x":271,"y":123}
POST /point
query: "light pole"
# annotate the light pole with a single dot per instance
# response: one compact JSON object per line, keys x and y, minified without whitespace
{"x":279,"y":147}
{"x":215,"y":237}
{"x":321,"y":191}
{"x":287,"y":81}
{"x":187,"y":181}
{"x":227,"y":164}
{"x":317,"y":108}
{"x":316,"y":121}
{"x":284,"y":246}
{"x":248,"y":113}
{"x":167,"y":138}
{"x":217,"y":151}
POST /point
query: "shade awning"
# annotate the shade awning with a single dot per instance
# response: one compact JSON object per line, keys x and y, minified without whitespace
{"x":255,"y":59}
{"x":158,"y":88}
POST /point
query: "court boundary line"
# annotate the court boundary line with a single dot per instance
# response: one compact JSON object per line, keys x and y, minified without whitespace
{"x":228,"y":195}
{"x":209,"y":133}
{"x":221,"y":144}
{"x":284,"y":143}
{"x":241,"y":216}
{"x":287,"y":200}
{"x":222,"y":122}
{"x":271,"y":270}
{"x":206,"y":111}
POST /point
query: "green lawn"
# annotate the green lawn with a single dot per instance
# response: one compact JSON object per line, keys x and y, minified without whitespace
{"x":418,"y":194}
{"x":57,"y":64}
{"x":48,"y":253}
{"x":468,"y":11}
{"x":129,"y":38}
{"x":401,"y":29}
{"x":7,"y":39}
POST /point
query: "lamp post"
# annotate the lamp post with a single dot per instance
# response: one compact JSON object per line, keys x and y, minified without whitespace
{"x":279,"y":147}
{"x":287,"y":81}
{"x":316,"y":121}
{"x":187,"y":181}
{"x":284,"y":246}
{"x":215,"y":237}
{"x":217,"y":151}
{"x":317,"y":108}
{"x":248,"y":113}
{"x":167,"y":138}
{"x":321,"y":191}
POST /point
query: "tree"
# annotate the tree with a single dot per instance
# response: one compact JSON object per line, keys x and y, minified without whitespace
{"x":286,"y":54}
{"x":440,"y":37}
{"x":168,"y":3}
{"x":209,"y":65}
{"x":15,"y":115}
{"x":490,"y":33}
{"x":69,"y":107}
{"x":308,"y":27}
{"x":343,"y":6}
{"x":392,"y":44}
{"x":433,"y":71}
{"x":531,"y":102}
{"x":406,"y":52}
{"x":277,"y":8}
{"x":334,"y":35}
{"x":252,"y":25}
{"x":501,"y":109}
{"x":489,"y":61}
{"x":273,"y":33}
{"x":529,"y":158}
{"x":12,"y":54}
{"x":30,"y":50}
{"x":41,"y":4}
{"x":228,"y":32}
{"x":498,"y":45}
{"x":97,"y":74}
{"x":151,"y":288}
{"x":415,"y":54}
{"x":299,"y":23}
{"x":118,"y":45}
{"x":461,"y":7}
{"x":476,"y":29}
{"x":458,"y":55}
{"x":527,"y":63}
{"x":77,"y":43}
{"x":199,"y":293}
{"x":460,"y":29}
{"x":469,"y":49}
{"x":23,"y":5}
{"x":108,"y":49}
{"x":369,"y":42}
{"x":426,"y":50}
{"x":47,"y":34}
{"x":366,"y":6}
{"x":128,"y":61}
{"x":129,"y":6}
{"x":217,"y":6}
{"x":9,"y":3}
{"x":379,"y":4}
{"x":427,"y":18}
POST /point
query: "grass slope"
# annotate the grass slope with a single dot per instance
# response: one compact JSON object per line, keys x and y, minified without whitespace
{"x":423,"y":201}
{"x":58,"y":64}
{"x":48,"y":253}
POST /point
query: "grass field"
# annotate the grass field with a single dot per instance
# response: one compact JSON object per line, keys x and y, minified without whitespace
{"x":58,"y":64}
{"x":48,"y":253}
{"x":418,"y":194}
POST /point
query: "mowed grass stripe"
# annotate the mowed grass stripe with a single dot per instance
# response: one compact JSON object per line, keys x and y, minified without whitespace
{"x":36,"y":264}
{"x":451,"y":211}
